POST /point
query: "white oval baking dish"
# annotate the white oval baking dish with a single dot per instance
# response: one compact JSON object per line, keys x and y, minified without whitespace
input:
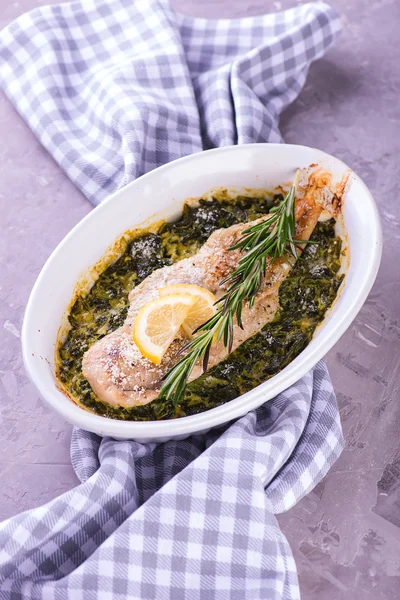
{"x":161,"y":193}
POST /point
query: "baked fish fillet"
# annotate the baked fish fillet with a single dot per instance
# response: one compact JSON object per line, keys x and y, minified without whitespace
{"x":115,"y":368}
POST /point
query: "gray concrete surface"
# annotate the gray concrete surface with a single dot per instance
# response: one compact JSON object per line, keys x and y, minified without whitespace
{"x":345,"y":534}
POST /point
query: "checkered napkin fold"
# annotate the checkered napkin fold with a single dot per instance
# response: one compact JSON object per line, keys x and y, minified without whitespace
{"x":113,"y":89}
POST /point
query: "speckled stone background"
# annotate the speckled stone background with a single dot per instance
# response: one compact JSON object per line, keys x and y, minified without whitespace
{"x":345,"y":534}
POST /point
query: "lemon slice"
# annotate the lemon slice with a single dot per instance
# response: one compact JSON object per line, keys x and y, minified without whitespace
{"x":203,"y":308}
{"x":158,"y":322}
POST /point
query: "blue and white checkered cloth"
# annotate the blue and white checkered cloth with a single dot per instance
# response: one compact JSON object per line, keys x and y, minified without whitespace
{"x":113,"y":89}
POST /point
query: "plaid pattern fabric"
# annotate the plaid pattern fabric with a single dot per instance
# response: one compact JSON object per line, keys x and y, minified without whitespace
{"x":188,"y":520}
{"x":113,"y":89}
{"x":116,"y":88}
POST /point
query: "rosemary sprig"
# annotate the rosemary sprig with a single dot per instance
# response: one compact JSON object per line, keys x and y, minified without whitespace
{"x":272,"y":238}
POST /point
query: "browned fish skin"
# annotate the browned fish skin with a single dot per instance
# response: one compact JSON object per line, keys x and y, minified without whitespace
{"x":114,"y":366}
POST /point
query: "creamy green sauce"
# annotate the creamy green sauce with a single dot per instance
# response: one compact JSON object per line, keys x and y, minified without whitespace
{"x":304,"y":297}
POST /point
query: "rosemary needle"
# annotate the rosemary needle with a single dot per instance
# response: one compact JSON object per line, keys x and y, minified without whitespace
{"x":272,"y":238}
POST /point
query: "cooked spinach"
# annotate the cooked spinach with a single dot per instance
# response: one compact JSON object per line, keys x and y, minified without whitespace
{"x":305,"y":296}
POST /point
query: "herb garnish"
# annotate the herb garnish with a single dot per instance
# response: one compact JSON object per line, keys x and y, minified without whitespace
{"x":273,"y":238}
